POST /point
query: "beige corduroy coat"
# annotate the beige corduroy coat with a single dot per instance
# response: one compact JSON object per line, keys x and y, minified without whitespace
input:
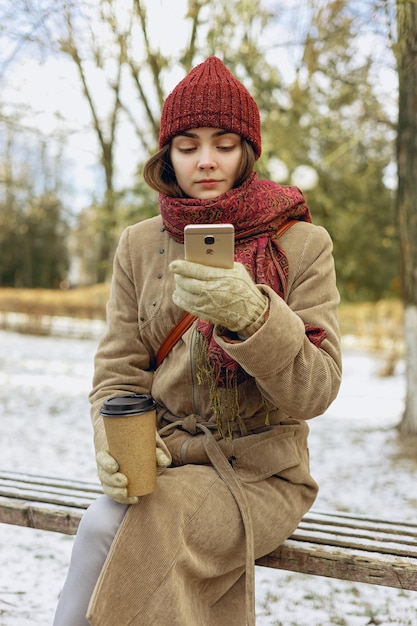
{"x":179,"y":558}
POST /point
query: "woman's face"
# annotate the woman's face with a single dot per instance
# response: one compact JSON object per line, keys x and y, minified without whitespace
{"x":206,"y":161}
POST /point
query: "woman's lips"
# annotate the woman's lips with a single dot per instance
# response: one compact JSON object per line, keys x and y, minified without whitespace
{"x":208,"y":183}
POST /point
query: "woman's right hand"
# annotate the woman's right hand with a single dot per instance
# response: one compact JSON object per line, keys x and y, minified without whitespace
{"x":114,"y":482}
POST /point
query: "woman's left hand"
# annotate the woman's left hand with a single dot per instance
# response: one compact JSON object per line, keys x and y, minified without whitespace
{"x":227,"y":297}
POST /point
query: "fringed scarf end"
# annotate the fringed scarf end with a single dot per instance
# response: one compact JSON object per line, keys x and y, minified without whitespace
{"x":223,"y":389}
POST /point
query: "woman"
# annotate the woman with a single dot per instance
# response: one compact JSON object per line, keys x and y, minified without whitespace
{"x":234,"y":392}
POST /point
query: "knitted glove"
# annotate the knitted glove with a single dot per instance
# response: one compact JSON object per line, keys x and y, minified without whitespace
{"x":227,"y":297}
{"x":114,"y":482}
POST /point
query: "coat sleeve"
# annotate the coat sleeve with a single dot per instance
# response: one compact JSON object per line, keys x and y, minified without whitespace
{"x":292,"y":373}
{"x":121,"y":361}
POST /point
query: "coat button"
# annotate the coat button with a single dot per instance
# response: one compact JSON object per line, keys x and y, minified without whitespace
{"x":161,"y":251}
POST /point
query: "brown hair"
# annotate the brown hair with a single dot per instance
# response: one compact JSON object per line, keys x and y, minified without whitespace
{"x":158,"y":171}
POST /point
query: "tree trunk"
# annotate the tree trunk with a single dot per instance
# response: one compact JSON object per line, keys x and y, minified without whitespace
{"x":408,"y":424}
{"x":406,"y":204}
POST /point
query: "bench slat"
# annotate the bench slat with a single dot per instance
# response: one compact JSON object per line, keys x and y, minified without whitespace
{"x":345,"y":520}
{"x":388,"y":542}
{"x":344,"y":563}
{"x":49,"y":482}
{"x":43,"y":516}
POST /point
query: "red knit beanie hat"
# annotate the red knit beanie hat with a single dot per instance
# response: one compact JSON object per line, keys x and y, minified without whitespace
{"x":210,"y":96}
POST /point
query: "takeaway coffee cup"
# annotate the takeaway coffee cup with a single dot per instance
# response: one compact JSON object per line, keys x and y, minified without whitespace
{"x":130,"y":423}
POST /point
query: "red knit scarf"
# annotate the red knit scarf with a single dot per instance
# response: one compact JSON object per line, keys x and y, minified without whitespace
{"x":256,"y":209}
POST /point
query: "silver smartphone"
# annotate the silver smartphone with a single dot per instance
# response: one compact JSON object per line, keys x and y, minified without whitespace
{"x":210,"y":244}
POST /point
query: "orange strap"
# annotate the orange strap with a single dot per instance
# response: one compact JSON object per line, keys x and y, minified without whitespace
{"x":187,"y":319}
{"x":173,"y":336}
{"x":284,"y":227}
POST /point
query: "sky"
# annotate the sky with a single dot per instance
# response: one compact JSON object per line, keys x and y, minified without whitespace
{"x":52,"y":90}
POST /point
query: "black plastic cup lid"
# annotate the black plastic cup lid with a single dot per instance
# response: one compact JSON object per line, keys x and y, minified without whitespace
{"x":127,"y":405}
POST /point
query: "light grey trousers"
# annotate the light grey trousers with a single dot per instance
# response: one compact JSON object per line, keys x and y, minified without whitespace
{"x":95,"y":535}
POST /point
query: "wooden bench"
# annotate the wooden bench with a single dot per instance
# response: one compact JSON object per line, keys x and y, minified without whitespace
{"x":336,"y":545}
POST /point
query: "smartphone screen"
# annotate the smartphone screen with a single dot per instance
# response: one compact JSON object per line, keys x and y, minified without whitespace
{"x":210,"y":244}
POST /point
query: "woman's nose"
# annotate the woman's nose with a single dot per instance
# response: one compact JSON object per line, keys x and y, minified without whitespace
{"x":206,"y":160}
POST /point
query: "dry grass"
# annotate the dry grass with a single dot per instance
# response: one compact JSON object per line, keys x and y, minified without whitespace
{"x":376,"y":319}
{"x":377,"y":326}
{"x":82,"y":302}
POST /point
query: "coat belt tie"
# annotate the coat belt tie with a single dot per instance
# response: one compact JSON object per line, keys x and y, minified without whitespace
{"x":232,"y":482}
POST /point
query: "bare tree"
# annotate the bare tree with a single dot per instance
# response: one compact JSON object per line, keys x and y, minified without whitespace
{"x":33,"y":221}
{"x":406,"y":203}
{"x":104,"y":126}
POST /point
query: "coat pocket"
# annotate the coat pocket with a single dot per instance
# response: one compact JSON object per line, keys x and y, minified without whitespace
{"x":266,"y":455}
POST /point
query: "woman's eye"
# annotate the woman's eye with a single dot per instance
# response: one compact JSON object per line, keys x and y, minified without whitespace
{"x":186,"y":150}
{"x":225,"y":148}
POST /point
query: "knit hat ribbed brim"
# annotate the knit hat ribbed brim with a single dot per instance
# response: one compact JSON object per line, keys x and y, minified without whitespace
{"x":211,"y":97}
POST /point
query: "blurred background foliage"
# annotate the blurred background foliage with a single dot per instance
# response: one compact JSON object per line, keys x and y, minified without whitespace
{"x":315,"y":70}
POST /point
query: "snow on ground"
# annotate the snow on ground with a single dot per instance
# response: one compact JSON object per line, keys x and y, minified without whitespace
{"x":356,"y":457}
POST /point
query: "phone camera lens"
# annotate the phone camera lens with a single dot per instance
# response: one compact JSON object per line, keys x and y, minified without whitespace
{"x":209,"y":240}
